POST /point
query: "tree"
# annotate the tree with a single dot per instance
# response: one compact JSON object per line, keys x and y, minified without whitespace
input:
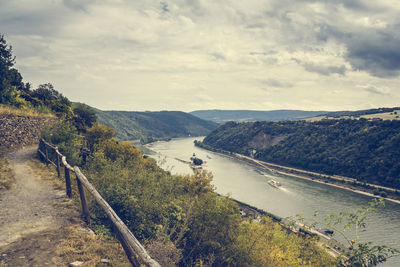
{"x":359,"y":253}
{"x":7,"y":60}
{"x":46,"y":95}
{"x":84,"y":117}
{"x":98,"y":133}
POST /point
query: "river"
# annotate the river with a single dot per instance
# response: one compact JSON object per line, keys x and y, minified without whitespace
{"x":248,"y":184}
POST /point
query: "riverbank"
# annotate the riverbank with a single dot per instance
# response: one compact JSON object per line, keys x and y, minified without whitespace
{"x":350,"y":184}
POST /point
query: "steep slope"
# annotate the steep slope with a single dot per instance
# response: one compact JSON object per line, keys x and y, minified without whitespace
{"x":363,"y":149}
{"x":221,"y":116}
{"x":148,"y":126}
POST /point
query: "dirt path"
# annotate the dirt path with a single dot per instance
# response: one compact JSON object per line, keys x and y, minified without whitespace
{"x":32,"y":215}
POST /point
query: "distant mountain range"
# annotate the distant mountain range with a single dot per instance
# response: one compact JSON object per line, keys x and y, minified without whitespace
{"x":222,"y":116}
{"x":151,"y":126}
{"x":361,"y":113}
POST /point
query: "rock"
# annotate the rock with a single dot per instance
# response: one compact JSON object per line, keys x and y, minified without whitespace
{"x":20,"y":130}
{"x":75,"y":263}
{"x":105,"y":262}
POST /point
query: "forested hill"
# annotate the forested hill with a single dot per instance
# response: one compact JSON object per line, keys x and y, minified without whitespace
{"x":149,"y":126}
{"x":222,"y":116}
{"x":362,"y":149}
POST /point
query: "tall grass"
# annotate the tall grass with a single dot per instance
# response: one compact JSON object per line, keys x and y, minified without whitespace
{"x":6,"y":175}
{"x":26,"y":111}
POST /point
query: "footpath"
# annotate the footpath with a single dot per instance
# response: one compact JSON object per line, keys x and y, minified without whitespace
{"x":32,"y":216}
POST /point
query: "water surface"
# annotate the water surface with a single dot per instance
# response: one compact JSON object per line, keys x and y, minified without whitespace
{"x":248,"y":184}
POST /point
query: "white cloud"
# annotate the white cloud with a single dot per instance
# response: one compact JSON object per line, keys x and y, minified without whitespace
{"x":151,"y":55}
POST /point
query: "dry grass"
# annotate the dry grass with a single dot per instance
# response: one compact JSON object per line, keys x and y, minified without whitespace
{"x":395,"y":115}
{"x":46,"y":173}
{"x":4,"y":110}
{"x":384,"y":116}
{"x":78,"y":243}
{"x":83,"y":245}
{"x":7,"y":178}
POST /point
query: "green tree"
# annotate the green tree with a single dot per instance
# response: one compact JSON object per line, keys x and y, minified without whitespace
{"x":46,"y":95}
{"x":84,"y":117}
{"x":12,"y":90}
{"x":97,"y":134}
{"x":7,"y":92}
{"x":359,"y":253}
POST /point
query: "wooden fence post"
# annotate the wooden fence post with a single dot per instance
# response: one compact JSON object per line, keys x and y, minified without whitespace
{"x":58,"y":163}
{"x":68,"y":183}
{"x":47,"y":156}
{"x":40,"y":144}
{"x":85,"y":209}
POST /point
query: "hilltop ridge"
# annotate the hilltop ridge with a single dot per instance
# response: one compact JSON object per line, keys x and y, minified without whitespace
{"x":222,"y":116}
{"x":154,"y":125}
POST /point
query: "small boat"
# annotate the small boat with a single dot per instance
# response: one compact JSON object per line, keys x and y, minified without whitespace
{"x":274,"y":183}
{"x":196,"y":161}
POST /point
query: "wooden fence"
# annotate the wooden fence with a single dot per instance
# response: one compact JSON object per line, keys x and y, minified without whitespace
{"x":136,"y":253}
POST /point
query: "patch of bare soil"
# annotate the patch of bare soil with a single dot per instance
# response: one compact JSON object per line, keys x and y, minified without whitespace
{"x":32,"y":216}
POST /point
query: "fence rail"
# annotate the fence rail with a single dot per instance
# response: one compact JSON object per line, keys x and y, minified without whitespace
{"x":135,"y":252}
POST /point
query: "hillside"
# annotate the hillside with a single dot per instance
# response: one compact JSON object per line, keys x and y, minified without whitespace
{"x":363,"y":149}
{"x":148,"y":126}
{"x":222,"y":116}
{"x":360,"y":113}
{"x":375,"y":113}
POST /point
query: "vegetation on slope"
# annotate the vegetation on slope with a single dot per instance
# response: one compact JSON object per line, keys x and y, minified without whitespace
{"x":180,"y":218}
{"x":362,"y":149}
{"x":24,"y":111}
{"x":358,"y":113}
{"x":17,"y":97}
{"x":6,"y":175}
{"x":222,"y":116}
{"x":151,"y":126}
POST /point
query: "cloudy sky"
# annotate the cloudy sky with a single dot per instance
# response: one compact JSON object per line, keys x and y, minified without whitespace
{"x":207,"y":54}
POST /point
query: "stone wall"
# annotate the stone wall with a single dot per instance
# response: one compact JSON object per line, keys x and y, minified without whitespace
{"x":17,"y":131}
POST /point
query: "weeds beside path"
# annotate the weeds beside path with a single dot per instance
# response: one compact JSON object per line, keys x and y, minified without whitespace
{"x":39,"y":226}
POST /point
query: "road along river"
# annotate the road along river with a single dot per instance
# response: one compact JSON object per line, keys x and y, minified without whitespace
{"x":249,"y":184}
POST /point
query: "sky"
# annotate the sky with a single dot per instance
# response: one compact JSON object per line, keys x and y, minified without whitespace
{"x":205,"y":54}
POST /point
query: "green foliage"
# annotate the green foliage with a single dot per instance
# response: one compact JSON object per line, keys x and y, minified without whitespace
{"x":12,"y":96}
{"x":14,"y":92}
{"x":359,"y":253}
{"x":267,"y":244}
{"x":84,"y":117}
{"x":7,"y":60}
{"x":10,"y":79}
{"x":206,"y":228}
{"x":97,"y":134}
{"x":196,"y":225}
{"x":358,"y":113}
{"x":212,"y":231}
{"x":46,"y":95}
{"x":222,"y":116}
{"x":363,"y":149}
{"x":65,"y":136}
{"x":152,"y":126}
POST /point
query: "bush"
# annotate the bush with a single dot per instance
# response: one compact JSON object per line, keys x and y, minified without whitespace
{"x":65,"y":136}
{"x":84,"y":117}
{"x":179,"y":215}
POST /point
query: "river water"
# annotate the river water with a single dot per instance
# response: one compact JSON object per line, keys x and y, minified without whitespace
{"x":248,"y":184}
